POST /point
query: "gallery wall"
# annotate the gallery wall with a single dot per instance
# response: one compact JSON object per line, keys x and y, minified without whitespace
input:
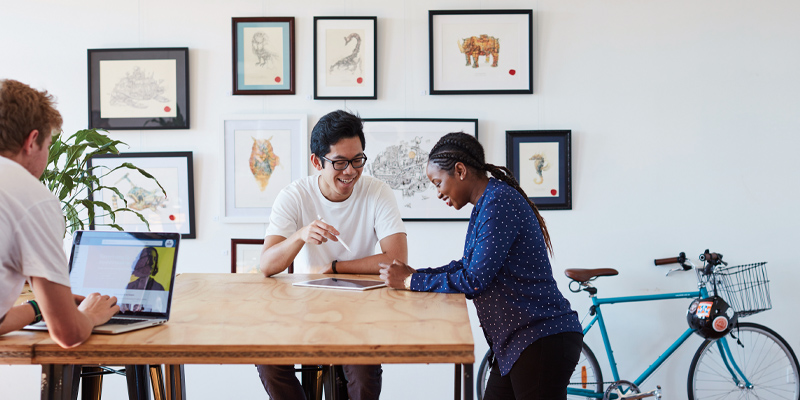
{"x":684,"y":119}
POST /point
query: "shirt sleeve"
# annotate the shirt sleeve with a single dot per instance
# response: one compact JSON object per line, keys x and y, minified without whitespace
{"x":285,"y":216}
{"x":41,"y":243}
{"x":496,"y":230}
{"x":387,"y":215}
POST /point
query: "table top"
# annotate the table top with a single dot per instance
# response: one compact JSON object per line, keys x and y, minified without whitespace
{"x":247,"y":318}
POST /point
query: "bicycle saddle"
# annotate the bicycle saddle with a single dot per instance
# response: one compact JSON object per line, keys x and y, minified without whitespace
{"x":585,"y":275}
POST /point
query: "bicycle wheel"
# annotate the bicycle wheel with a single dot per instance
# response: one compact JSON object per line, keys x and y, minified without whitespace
{"x":483,"y":375}
{"x":766,"y":359}
{"x":587,"y":375}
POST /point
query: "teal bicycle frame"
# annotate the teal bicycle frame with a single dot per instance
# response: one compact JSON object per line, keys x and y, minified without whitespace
{"x":722,"y":343}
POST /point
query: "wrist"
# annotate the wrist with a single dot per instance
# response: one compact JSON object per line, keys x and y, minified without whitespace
{"x":333,"y":266}
{"x":37,"y":312}
{"x":407,"y":282}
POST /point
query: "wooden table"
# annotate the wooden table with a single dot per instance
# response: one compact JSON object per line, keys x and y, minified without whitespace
{"x":249,"y":319}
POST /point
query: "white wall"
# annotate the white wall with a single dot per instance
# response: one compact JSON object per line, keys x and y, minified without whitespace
{"x":684,"y":116}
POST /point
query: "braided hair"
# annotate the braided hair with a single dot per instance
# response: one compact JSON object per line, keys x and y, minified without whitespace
{"x":460,"y":147}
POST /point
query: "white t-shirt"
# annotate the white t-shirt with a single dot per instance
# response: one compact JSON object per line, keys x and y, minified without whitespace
{"x":31,"y":233}
{"x":365,"y":218}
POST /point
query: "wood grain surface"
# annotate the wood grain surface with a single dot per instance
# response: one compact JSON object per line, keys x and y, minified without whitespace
{"x":247,"y":318}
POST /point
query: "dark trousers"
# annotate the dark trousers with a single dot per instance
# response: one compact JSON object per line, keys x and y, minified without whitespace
{"x":542,"y":372}
{"x":280,"y":381}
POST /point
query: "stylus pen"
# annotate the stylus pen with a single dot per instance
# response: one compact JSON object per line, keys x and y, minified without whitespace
{"x":337,"y":237}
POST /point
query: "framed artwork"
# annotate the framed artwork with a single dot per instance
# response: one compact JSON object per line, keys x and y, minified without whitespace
{"x":541,"y":162}
{"x":345,"y":58}
{"x":397,"y":154}
{"x":481,"y":51}
{"x":139,"y":88}
{"x":170,"y":212}
{"x":263,"y":55}
{"x":246,"y":255}
{"x":263,"y":154}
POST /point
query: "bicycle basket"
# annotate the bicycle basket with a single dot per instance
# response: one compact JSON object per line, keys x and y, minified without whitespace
{"x":746,"y":288}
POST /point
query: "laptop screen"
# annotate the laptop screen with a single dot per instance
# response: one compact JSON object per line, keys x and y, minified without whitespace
{"x":136,"y":267}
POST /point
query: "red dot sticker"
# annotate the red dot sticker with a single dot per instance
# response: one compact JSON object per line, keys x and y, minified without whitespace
{"x":172,"y":218}
{"x":167,"y":109}
{"x":278,"y":79}
{"x":360,"y":80}
{"x":512,"y":72}
{"x":553,"y":192}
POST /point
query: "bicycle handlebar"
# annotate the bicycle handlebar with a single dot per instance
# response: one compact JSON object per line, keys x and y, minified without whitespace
{"x":680,"y":259}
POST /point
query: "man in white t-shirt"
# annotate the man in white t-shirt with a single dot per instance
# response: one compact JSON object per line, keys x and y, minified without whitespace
{"x":32,"y":226}
{"x":312,"y":212}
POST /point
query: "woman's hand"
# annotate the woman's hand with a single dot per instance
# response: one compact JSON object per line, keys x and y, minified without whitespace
{"x":395,"y":274}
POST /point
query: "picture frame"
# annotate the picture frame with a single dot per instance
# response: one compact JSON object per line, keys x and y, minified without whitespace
{"x":278,"y":143}
{"x":171,"y":213}
{"x":541,"y":160}
{"x":141,"y":88}
{"x":263,"y":55}
{"x":345,"y":58}
{"x":454,"y":35}
{"x":246,"y":255}
{"x":393,"y":143}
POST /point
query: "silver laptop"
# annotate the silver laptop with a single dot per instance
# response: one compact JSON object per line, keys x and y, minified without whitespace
{"x":136,"y":267}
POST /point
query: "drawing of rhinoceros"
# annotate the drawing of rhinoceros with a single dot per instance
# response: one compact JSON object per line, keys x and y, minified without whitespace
{"x":484,"y":45}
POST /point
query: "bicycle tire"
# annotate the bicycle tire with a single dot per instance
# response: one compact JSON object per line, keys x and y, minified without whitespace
{"x":594,"y":376}
{"x":587,"y":361}
{"x":766,"y":359}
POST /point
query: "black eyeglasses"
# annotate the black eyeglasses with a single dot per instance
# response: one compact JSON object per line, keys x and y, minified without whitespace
{"x":341,"y":165}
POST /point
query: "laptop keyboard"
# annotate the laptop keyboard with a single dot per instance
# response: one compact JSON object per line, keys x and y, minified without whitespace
{"x":125,"y":321}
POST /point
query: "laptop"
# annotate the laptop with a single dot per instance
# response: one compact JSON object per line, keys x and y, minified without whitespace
{"x":136,"y":267}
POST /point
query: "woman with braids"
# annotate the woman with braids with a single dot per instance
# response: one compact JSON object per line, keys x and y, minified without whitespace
{"x":531,"y":328}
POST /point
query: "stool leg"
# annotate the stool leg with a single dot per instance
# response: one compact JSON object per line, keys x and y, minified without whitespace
{"x":60,"y":382}
{"x":176,"y":383}
{"x":311,"y":380}
{"x":157,"y":379}
{"x":138,"y":382}
{"x":91,"y":386}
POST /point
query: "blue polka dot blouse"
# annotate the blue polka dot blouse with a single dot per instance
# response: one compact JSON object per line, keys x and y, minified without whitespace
{"x":506,"y":272}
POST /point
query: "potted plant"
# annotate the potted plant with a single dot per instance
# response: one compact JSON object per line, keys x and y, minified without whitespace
{"x":69,"y":178}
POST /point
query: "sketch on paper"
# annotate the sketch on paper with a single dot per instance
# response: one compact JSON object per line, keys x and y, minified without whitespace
{"x":352,"y":61}
{"x":139,"y":198}
{"x":265,"y":57}
{"x":263,"y":161}
{"x":263,"y":63}
{"x":537,"y":177}
{"x":483,"y":45}
{"x":344,"y":57}
{"x":540,"y":164}
{"x":262,"y":166}
{"x":402,"y":167}
{"x":138,"y":88}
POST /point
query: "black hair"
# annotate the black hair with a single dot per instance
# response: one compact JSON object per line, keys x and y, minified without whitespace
{"x":460,"y":147}
{"x":332,"y":128}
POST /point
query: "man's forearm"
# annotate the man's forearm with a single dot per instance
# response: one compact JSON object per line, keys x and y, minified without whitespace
{"x":278,"y":254}
{"x":16,"y":318}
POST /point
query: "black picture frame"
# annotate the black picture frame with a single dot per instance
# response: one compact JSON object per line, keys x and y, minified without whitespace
{"x":390,"y":141}
{"x":264,"y":66}
{"x":174,"y":171}
{"x":529,"y":156}
{"x":139,"y":89}
{"x":450,"y":32}
{"x":352,"y":76}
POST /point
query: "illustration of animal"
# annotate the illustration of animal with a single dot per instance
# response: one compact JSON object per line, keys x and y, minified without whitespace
{"x":540,"y":165}
{"x":353,"y":61}
{"x":263,"y":161}
{"x":136,"y":88}
{"x":259,"y":43}
{"x":484,"y":45}
{"x":142,"y":199}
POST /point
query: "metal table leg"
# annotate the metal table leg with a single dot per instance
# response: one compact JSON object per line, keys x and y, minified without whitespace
{"x":60,"y":382}
{"x":138,"y":382}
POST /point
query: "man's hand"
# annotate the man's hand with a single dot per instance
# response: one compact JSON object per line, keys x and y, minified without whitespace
{"x":78,"y":299}
{"x":99,"y":308}
{"x":318,"y":232}
{"x":395,"y":274}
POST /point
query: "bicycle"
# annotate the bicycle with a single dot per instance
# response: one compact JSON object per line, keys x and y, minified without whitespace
{"x":751,"y":361}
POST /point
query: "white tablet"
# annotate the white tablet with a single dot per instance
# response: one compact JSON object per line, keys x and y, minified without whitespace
{"x":342,"y":283}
